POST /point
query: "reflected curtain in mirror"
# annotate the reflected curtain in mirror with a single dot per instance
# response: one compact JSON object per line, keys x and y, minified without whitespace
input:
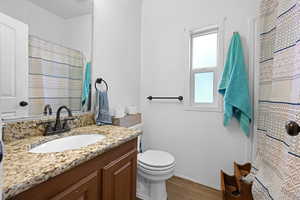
{"x":55,"y":76}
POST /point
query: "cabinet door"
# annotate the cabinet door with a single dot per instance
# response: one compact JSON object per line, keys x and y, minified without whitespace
{"x":13,"y":66}
{"x":119,"y":178}
{"x":85,"y":189}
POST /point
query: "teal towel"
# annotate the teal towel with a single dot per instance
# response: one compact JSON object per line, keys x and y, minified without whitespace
{"x":86,"y":85}
{"x":234,"y":87}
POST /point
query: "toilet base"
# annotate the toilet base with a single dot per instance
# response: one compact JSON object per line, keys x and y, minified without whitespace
{"x":151,"y":190}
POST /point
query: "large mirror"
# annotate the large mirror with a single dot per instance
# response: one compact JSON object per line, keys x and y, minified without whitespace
{"x":45,"y":56}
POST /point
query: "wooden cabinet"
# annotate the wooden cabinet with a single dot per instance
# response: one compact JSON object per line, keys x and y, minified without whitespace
{"x":110,"y":176}
{"x":119,"y":178}
{"x":85,"y":189}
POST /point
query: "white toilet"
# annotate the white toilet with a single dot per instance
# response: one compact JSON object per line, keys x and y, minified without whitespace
{"x":154,"y":168}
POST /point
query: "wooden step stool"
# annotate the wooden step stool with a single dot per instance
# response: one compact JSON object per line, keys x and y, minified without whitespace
{"x":233,"y":187}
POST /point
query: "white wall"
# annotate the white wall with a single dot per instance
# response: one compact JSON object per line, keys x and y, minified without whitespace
{"x":41,"y":22}
{"x":74,"y":33}
{"x":198,"y":140}
{"x":78,"y":34}
{"x":117,"y":48}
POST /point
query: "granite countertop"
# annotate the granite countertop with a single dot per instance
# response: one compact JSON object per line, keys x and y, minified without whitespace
{"x":23,"y":170}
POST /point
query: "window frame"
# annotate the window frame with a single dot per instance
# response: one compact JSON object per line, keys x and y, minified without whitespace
{"x":190,"y":104}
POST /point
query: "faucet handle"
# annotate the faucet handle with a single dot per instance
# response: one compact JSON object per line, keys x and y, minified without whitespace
{"x":70,"y":118}
{"x":65,"y":124}
{"x":48,"y":127}
{"x":4,"y":125}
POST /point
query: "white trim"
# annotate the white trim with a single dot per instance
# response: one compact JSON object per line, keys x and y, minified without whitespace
{"x":203,"y":30}
{"x":253,"y":80}
{"x":255,"y":59}
{"x":188,"y":104}
{"x":195,"y":181}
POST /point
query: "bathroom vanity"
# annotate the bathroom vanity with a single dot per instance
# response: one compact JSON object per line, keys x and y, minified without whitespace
{"x":105,"y":170}
{"x":110,"y":176}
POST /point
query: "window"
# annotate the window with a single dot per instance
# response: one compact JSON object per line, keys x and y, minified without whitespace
{"x":205,"y":59}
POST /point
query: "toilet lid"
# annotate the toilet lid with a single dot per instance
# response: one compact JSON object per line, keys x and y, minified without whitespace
{"x":154,"y":158}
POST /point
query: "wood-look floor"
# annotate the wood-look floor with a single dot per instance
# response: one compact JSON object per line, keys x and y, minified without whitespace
{"x":182,"y":189}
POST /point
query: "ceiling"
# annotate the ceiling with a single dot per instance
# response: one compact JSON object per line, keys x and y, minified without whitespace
{"x":66,"y":8}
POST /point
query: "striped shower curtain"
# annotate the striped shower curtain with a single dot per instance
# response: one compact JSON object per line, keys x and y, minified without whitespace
{"x":277,"y":165}
{"x":55,"y":76}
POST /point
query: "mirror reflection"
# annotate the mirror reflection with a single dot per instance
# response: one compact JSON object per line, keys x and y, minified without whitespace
{"x":45,"y":56}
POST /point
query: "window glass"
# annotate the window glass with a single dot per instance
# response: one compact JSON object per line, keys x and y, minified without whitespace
{"x":204,"y":87}
{"x":204,"y":51}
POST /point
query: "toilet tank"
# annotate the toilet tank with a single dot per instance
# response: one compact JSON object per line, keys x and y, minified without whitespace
{"x":139,"y":143}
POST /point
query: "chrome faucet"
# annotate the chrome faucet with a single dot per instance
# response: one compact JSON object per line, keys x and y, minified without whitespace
{"x":47,"y":110}
{"x":59,"y":127}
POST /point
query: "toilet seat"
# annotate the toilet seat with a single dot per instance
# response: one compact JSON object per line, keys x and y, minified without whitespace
{"x":156,"y":160}
{"x":156,"y":172}
{"x":151,"y":168}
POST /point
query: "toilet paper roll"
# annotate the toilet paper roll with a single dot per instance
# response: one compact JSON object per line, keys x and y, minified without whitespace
{"x":119,"y":112}
{"x":131,"y":110}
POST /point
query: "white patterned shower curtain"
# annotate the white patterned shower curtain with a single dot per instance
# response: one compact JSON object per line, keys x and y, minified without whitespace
{"x":55,"y":76}
{"x":277,"y":164}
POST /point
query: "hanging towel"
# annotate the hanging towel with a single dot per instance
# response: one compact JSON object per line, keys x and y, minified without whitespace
{"x":102,"y":108}
{"x":234,"y":87}
{"x":86,"y":88}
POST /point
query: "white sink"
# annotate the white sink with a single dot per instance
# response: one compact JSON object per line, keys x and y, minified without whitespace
{"x":67,"y":143}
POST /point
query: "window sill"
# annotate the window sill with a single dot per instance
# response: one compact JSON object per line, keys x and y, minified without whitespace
{"x":202,"y":109}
